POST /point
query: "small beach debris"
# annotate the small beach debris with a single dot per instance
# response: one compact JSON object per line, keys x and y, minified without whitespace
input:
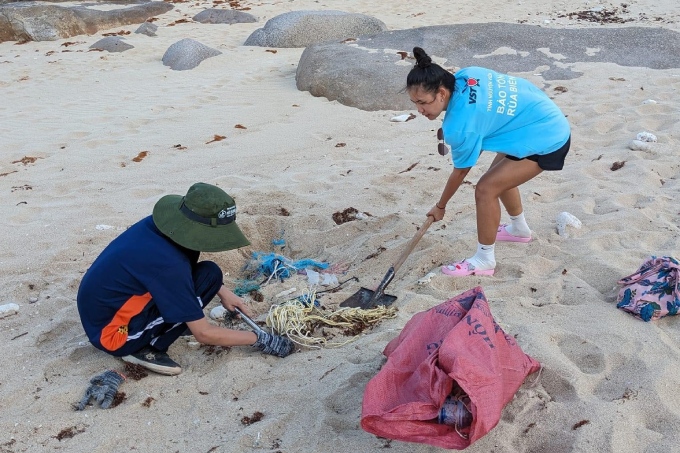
{"x":26,"y":160}
{"x":179,"y":146}
{"x":340,"y":145}
{"x":18,"y":336}
{"x":140,"y":157}
{"x":329,"y":280}
{"x":403,"y":118}
{"x":579,"y":424}
{"x":68,"y":433}
{"x":271,"y":50}
{"x":117,"y":33}
{"x":618,"y":165}
{"x":648,"y":101}
{"x":218,"y":313}
{"x":637,"y":145}
{"x":147,"y":402}
{"x":345,"y":216}
{"x":256,"y":417}
{"x":180,"y":21}
{"x":286,"y":292}
{"x":216,"y":138}
{"x":646,"y":137}
{"x":279,"y":242}
{"x":411,"y":167}
{"x":561,"y":89}
{"x":103,"y":227}
{"x":135,"y":372}
{"x":564,"y":219}
{"x":312,"y":277}
{"x":425,"y":280}
{"x":118,"y":399}
{"x":8,"y":310}
{"x":376,"y":253}
{"x":284,"y":212}
{"x":240,"y":126}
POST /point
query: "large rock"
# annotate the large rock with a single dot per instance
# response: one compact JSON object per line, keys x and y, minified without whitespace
{"x":112,"y":44}
{"x":187,"y":54}
{"x":39,"y":22}
{"x":370,"y":73}
{"x":224,"y":16}
{"x":304,"y":28}
{"x":148,"y":29}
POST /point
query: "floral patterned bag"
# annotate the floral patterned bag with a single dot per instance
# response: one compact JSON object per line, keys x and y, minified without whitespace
{"x":653,"y":291}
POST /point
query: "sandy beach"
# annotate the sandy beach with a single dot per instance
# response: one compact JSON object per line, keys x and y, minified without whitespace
{"x":89,"y":141}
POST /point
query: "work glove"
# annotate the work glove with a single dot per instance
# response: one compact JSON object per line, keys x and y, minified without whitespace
{"x":102,"y":388}
{"x":273,"y":344}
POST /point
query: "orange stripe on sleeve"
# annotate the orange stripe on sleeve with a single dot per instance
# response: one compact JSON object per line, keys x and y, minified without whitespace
{"x":115,"y":334}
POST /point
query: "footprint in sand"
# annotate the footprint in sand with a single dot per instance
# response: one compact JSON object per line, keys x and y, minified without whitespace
{"x":585,"y":355}
{"x":344,"y":405}
{"x":557,"y":386}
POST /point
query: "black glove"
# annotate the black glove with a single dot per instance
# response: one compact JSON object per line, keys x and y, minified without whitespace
{"x":273,"y":344}
{"x":102,"y":388}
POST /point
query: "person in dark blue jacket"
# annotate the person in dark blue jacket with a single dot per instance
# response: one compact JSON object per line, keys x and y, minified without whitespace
{"x":148,"y":285}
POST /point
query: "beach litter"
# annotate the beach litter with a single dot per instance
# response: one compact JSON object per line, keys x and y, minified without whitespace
{"x":638,"y":145}
{"x":218,"y":313}
{"x":8,"y":310}
{"x":345,"y":216}
{"x":314,"y":278}
{"x":285,"y":293}
{"x":299,"y":321}
{"x":565,"y":219}
{"x":649,"y":101}
{"x":425,"y":280}
{"x":646,"y":137}
{"x":264,"y":267}
{"x":403,"y":118}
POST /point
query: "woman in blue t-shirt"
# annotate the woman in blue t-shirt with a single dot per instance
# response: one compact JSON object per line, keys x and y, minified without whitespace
{"x":490,"y":111}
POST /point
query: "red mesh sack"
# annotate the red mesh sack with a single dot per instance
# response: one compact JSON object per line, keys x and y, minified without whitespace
{"x":459,"y":341}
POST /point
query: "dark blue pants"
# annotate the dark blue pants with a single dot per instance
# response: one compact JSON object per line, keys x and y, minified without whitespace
{"x":207,"y":278}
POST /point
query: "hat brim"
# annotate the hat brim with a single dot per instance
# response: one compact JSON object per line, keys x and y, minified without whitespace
{"x":194,"y":235}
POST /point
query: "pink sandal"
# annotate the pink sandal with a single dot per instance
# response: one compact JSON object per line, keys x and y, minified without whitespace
{"x":504,"y":236}
{"x":464,"y":269}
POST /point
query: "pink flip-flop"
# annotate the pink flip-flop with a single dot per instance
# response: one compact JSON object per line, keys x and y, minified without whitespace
{"x":504,"y":236}
{"x":464,"y":269}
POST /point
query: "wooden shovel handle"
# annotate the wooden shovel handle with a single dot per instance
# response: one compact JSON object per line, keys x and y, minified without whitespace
{"x":413,"y":243}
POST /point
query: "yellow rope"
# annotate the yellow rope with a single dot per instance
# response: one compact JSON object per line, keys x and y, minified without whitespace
{"x":298,"y":321}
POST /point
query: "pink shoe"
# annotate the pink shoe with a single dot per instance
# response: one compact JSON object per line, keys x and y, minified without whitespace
{"x":504,"y":236}
{"x":463,"y":269}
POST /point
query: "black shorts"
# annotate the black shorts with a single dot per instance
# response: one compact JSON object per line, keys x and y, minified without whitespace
{"x":550,"y":162}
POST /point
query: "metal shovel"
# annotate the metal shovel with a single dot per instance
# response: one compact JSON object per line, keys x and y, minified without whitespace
{"x":366,"y":298}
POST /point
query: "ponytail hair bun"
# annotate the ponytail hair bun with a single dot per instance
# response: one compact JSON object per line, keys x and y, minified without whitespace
{"x":423,"y":60}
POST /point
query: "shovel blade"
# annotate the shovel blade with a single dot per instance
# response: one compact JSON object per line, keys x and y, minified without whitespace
{"x":362,"y":299}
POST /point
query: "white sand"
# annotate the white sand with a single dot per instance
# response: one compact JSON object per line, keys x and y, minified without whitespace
{"x":86,"y":115}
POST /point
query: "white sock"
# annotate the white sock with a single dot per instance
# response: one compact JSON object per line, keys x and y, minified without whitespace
{"x":518,"y":226}
{"x":485,"y":258}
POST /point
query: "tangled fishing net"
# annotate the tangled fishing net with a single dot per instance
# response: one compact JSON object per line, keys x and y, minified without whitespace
{"x":299,"y":318}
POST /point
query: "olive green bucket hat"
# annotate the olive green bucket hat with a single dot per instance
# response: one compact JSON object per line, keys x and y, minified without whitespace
{"x":204,"y":220}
